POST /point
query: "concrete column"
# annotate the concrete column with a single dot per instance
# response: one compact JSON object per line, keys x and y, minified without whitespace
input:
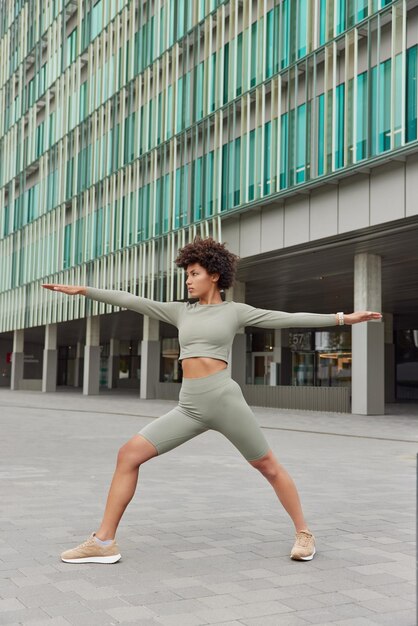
{"x":77,"y":362}
{"x":368,"y":378}
{"x":238,"y":361}
{"x":285,"y":377}
{"x":17,"y":359}
{"x":274,"y":374}
{"x":113,"y":364}
{"x":49,"y":369}
{"x":91,"y":379}
{"x":150,"y":357}
{"x":390,"y":359}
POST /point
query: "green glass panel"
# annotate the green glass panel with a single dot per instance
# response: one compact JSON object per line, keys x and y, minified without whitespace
{"x":199,"y":87}
{"x":302,"y":7}
{"x":339,"y":131}
{"x":226,"y":73}
{"x":169,"y":131}
{"x":361,"y":120}
{"x":236,"y":147}
{"x":301,"y":144}
{"x":157,"y":191}
{"x":384,"y":105}
{"x":254,"y":44}
{"x":209,"y":160}
{"x":187,"y":99}
{"x":197,"y":189}
{"x":373,"y":112}
{"x":212,"y":82}
{"x":177,"y":199}
{"x":251,"y":166}
{"x":340,"y":7}
{"x":284,"y":148}
{"x":284,"y":33}
{"x":179,"y":120}
{"x":180,"y":18}
{"x":96,"y":18}
{"x":159,"y":117}
{"x":267,"y":158}
{"x":83,"y":100}
{"x":269,"y":50}
{"x":97,"y":233}
{"x":397,"y":114}
{"x":225,"y":178}
{"x":411,"y":94}
{"x":166,"y":203}
{"x":322,"y":21}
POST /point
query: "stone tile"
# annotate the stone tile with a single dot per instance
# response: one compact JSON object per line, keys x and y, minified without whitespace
{"x":207,"y":547}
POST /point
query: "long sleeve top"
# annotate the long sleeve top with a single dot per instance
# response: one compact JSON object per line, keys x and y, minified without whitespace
{"x":209,"y":329}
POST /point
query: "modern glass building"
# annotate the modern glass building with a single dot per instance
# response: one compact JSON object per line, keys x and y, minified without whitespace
{"x":287,"y":129}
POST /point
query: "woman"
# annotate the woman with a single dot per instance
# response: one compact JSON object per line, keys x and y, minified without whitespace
{"x":209,"y":398}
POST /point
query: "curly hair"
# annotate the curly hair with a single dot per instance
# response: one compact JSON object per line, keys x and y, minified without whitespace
{"x":211,"y":255}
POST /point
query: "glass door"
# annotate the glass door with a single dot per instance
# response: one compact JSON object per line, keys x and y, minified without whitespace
{"x":260,"y":370}
{"x":303,"y":369}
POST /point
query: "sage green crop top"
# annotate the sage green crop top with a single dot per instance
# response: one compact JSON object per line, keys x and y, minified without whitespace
{"x":209,"y":329}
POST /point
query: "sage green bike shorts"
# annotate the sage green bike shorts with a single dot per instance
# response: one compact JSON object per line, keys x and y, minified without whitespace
{"x":213,"y":402}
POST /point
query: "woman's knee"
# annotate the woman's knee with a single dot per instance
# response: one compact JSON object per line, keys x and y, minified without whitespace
{"x":267,"y":465}
{"x":136,"y":451}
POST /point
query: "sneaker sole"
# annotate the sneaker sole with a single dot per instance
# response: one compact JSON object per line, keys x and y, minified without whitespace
{"x":95,"y":559}
{"x":304,"y":558}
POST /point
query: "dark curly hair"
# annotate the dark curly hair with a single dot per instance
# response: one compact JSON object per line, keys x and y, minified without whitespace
{"x":211,"y":255}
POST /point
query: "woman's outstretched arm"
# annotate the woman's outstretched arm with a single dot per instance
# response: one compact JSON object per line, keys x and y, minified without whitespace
{"x":265,"y":318}
{"x":164,"y":311}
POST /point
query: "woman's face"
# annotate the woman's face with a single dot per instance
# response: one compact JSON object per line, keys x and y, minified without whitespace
{"x":199,"y":282}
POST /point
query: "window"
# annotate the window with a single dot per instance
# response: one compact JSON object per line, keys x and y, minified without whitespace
{"x":301,"y":144}
{"x":169,"y":112}
{"x":179,"y":120}
{"x":238,"y":89}
{"x":284,"y":34}
{"x":71,"y":46}
{"x":269,"y":44}
{"x":197,"y":189}
{"x":267,"y":158}
{"x":83,"y":100}
{"x":361,"y":121}
{"x":96,"y":19}
{"x":129,"y":153}
{"x":198,"y":89}
{"x":209,"y":158}
{"x":302,"y":19}
{"x":380,"y":108}
{"x":39,"y":140}
{"x":254,"y":46}
{"x":67,"y":246}
{"x":211,"y":82}
{"x":284,"y":150}
{"x":411,"y":93}
{"x":251,"y":166}
{"x":339,"y":126}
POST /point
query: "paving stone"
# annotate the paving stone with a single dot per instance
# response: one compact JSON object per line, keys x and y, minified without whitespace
{"x":212,"y":546}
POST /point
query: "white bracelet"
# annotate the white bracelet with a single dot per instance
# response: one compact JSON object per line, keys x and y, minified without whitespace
{"x":340,"y":316}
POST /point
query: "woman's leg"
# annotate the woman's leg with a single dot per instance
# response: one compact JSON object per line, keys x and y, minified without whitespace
{"x":284,"y":487}
{"x":161,"y":435}
{"x":238,"y":423}
{"x":130,"y":456}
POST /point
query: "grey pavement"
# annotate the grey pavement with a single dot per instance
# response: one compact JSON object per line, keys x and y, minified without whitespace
{"x":205,"y":539}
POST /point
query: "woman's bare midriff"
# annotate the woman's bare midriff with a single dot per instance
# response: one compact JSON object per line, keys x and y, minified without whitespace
{"x":199,"y":366}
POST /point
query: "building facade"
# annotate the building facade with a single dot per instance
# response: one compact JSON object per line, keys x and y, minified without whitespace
{"x":287,"y":129}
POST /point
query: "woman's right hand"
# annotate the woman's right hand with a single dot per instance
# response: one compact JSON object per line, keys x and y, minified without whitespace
{"x":71,"y":290}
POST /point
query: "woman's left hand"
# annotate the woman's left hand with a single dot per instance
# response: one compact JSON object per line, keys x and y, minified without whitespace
{"x":361,"y":316}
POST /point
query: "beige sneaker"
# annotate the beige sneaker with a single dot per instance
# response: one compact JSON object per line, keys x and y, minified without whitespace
{"x":91,"y":552}
{"x":304,"y":546}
